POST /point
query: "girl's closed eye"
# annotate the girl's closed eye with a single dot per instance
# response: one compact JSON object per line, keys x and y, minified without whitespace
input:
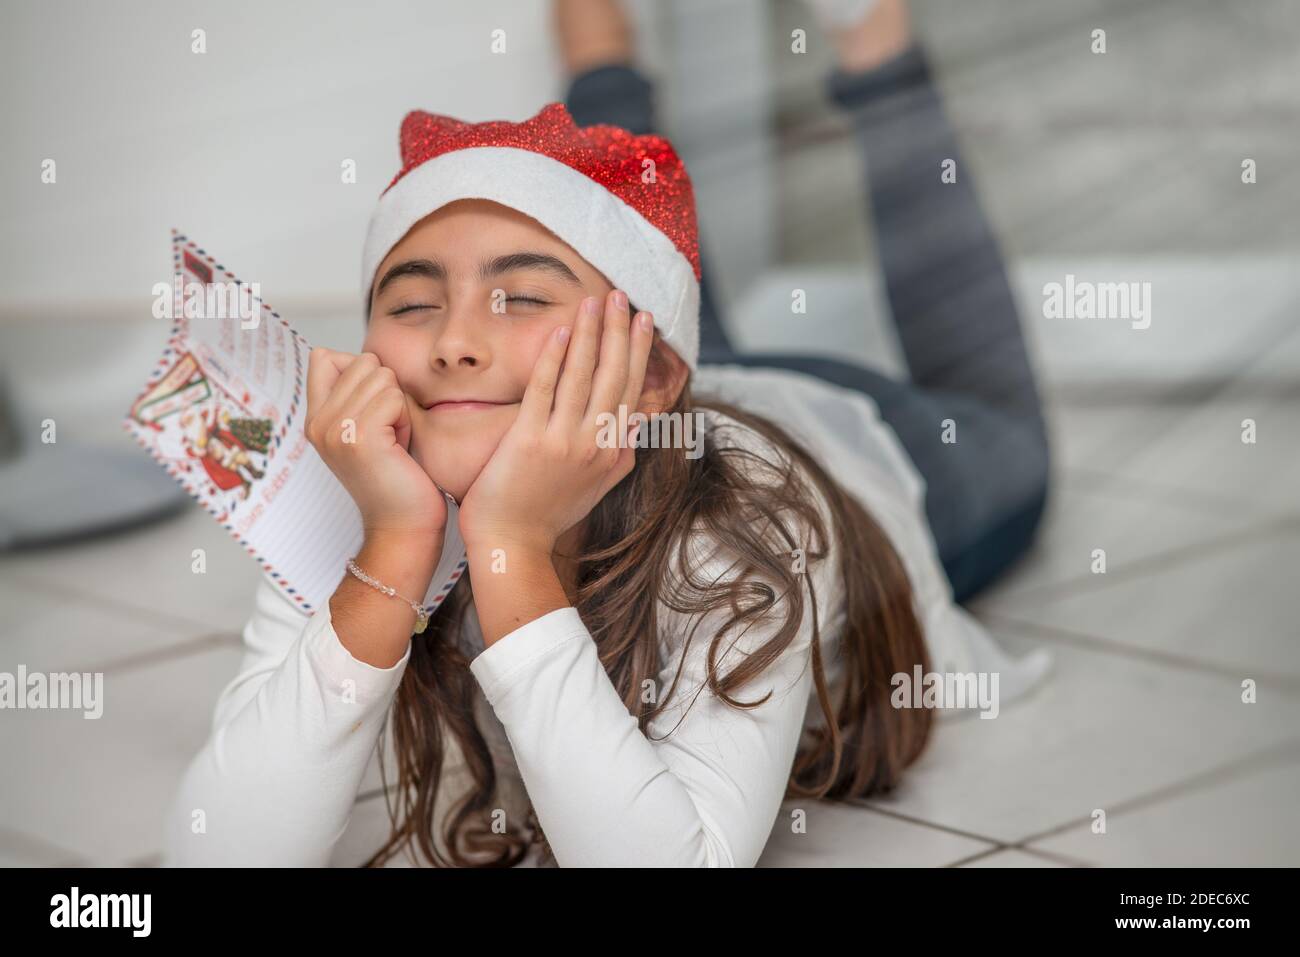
{"x":525,"y":301}
{"x":529,"y":300}
{"x":404,"y":307}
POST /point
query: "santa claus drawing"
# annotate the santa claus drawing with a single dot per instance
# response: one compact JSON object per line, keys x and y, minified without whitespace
{"x":211,"y":439}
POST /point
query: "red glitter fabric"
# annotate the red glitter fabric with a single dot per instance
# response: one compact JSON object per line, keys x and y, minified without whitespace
{"x":608,"y":155}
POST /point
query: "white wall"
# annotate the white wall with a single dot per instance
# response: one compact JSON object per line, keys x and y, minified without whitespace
{"x":241,"y":146}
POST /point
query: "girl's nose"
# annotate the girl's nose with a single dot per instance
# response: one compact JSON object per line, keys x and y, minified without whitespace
{"x":459,"y":340}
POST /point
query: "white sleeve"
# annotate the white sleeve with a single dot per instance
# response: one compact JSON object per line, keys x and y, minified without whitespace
{"x":703,"y":789}
{"x":291,"y":737}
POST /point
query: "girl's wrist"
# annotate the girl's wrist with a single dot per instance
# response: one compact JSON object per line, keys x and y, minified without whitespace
{"x":403,"y":560}
{"x":514,"y":583}
{"x":413,"y":540}
{"x":520,"y":547}
{"x":373,"y":626}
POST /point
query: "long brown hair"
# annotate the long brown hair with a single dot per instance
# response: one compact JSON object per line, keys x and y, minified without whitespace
{"x":627,"y":566}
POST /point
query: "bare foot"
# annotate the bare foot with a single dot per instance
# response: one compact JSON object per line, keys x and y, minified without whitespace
{"x":592,"y":33}
{"x":882,"y":34}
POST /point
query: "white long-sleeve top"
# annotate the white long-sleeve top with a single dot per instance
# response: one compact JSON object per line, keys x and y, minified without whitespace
{"x":294,"y":731}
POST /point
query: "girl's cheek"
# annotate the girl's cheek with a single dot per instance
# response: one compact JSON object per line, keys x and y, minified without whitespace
{"x":382,"y":334}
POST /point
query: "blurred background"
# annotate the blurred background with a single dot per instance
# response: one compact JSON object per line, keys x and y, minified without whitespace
{"x":1117,"y":167}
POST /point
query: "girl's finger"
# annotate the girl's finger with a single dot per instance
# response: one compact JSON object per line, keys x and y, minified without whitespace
{"x":381,"y":379}
{"x":643,"y":338}
{"x":535,"y":407}
{"x":575,"y":379}
{"x":402,"y":427}
{"x":337,"y":401}
{"x":611,"y":373}
{"x":387,"y":410}
{"x":324,"y":366}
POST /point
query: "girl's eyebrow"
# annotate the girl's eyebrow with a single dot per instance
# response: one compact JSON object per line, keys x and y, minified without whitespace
{"x":429,"y":268}
{"x":528,"y":260}
{"x":433,"y":269}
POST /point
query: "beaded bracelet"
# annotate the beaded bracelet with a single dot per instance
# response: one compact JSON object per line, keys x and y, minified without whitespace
{"x":421,"y":617}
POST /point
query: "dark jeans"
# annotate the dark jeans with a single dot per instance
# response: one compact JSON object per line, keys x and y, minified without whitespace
{"x":950,"y":302}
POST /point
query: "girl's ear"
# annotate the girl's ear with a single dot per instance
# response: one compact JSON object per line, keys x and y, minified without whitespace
{"x":665,"y":377}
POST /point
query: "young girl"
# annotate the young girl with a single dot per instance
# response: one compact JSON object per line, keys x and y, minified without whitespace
{"x":653,"y":647}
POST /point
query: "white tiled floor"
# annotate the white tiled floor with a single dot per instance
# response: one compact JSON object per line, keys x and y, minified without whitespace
{"x":151,"y":573}
{"x":1104,"y":730}
{"x":843,"y":835}
{"x":1245,"y":819}
{"x":54,"y":632}
{"x":1142,"y":716}
{"x":98,"y":787}
{"x":1233,"y":608}
{"x":1012,"y":858}
{"x":1130,"y":528}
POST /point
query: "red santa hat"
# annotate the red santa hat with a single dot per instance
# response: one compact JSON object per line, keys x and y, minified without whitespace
{"x":623,"y":201}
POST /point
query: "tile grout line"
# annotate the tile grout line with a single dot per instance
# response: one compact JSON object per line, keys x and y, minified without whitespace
{"x":147,"y":659}
{"x":1197,"y":396}
{"x":1056,"y":858}
{"x":856,"y":803}
{"x":126,"y":608}
{"x":1279,"y":754}
{"x":1053,"y":858}
{"x":862,"y":804}
{"x":1286,"y":684}
{"x":1262,"y":759}
{"x":1192,"y":500}
{"x":1093,"y":481}
{"x":1277,"y":526}
{"x":978,"y":856}
{"x":1128,"y":389}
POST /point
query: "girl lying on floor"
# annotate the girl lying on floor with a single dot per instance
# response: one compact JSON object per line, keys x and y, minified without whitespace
{"x":651,"y":650}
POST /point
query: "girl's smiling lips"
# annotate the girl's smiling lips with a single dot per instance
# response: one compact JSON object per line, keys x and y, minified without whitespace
{"x":449,"y":405}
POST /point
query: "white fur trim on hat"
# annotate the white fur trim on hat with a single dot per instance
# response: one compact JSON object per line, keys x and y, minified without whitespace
{"x":628,"y":249}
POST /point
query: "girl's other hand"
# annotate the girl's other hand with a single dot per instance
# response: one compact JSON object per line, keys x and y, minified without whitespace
{"x":550,"y":469}
{"x":359,"y":422}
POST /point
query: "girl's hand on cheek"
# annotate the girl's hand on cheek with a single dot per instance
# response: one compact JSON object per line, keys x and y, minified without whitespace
{"x":550,"y":469}
{"x":358,"y":420}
